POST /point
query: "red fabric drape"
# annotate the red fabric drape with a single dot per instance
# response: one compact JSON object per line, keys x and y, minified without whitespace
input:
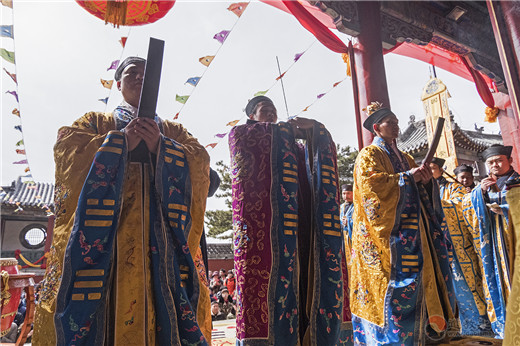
{"x":480,"y":83}
{"x":320,"y":31}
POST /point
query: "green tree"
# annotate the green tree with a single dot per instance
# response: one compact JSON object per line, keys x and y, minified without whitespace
{"x":219,"y":221}
{"x":346,"y":159}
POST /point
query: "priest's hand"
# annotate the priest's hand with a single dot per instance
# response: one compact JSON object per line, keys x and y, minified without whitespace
{"x":488,"y":182}
{"x":148,"y":130}
{"x":421,"y":174}
{"x":301,"y":124}
{"x":132,"y":138}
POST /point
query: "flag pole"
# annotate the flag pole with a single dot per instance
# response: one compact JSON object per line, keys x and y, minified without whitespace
{"x":283,"y":89}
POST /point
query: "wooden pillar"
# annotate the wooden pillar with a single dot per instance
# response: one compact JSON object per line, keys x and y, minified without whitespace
{"x":505,"y":19}
{"x":370,"y":67}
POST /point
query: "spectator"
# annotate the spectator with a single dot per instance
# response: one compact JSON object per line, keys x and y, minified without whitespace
{"x":222,"y":275}
{"x":216,"y":315}
{"x":226,"y":304}
{"x":231,"y":282}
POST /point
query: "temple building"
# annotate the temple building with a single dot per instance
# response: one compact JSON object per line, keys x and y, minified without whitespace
{"x":457,"y":146}
{"x":25,"y":210}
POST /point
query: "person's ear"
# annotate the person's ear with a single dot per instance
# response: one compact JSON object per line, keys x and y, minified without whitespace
{"x":118,"y":83}
{"x":375,"y":128}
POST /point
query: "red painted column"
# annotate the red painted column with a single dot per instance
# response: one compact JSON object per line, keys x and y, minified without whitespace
{"x":505,"y":19}
{"x":370,"y":67}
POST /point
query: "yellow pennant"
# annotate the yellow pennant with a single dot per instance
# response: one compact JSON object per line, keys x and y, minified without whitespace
{"x":107,"y":83}
{"x":233,"y":123}
{"x":206,"y":60}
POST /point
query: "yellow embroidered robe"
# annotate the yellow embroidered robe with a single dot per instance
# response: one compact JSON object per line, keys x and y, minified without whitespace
{"x":133,"y":313}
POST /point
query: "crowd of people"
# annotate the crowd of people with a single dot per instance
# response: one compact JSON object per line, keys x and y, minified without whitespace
{"x":413,"y":256}
{"x":222,"y":289}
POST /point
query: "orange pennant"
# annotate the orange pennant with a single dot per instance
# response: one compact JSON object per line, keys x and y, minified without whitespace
{"x":206,"y":60}
{"x":212,"y":145}
{"x":27,"y":169}
{"x":336,"y":84}
{"x":123,"y":41}
{"x":107,"y":83}
{"x":281,"y":76}
{"x":176,"y":116}
{"x":238,"y":8}
{"x":233,"y":123}
{"x":16,"y":112}
{"x":306,"y":108}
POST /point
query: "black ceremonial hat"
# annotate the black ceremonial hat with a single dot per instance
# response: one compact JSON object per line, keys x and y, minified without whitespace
{"x":463,"y":168}
{"x":346,"y":187}
{"x":438,"y":161}
{"x":254,"y":101}
{"x":497,"y":149}
{"x":128,"y":61}
{"x":376,"y":113}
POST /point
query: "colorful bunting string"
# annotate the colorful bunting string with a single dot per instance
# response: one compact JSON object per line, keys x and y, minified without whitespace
{"x":221,"y":37}
{"x":238,"y":8}
{"x":319,"y":97}
{"x":113,"y":65}
{"x":14,"y":93}
{"x":12,"y":75}
{"x":7,"y":55}
{"x":6,"y":31}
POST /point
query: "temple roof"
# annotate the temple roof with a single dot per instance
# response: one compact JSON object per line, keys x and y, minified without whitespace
{"x":28,"y":195}
{"x":414,"y":139}
{"x":220,"y":250}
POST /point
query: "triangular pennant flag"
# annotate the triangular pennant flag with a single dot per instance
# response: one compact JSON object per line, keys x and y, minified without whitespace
{"x":206,"y":60}
{"x":27,"y":169}
{"x":20,"y":142}
{"x":221,"y":135}
{"x":107,"y":83}
{"x":7,"y":55}
{"x":238,"y":8}
{"x":105,"y":100}
{"x":212,"y":145}
{"x":193,"y":81}
{"x":336,"y":84}
{"x":297,"y":56}
{"x":18,"y":127}
{"x":20,"y":151}
{"x":176,"y":116}
{"x":14,"y":93}
{"x":12,"y":75}
{"x":113,"y":65}
{"x":306,"y":109}
{"x":22,"y":162}
{"x":320,"y":95}
{"x":281,"y":76}
{"x":221,"y":36}
{"x":123,"y":41}
{"x":261,"y":93}
{"x":182,"y":99}
{"x":7,"y":31}
{"x":16,"y":112}
{"x":233,"y":123}
{"x":7,"y":3}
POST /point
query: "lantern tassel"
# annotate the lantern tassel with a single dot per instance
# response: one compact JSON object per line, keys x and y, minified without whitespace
{"x":116,"y":12}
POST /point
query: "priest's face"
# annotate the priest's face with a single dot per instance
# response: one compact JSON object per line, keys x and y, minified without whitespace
{"x":265,"y":112}
{"x":388,"y":128}
{"x":348,"y":196}
{"x":436,"y":170}
{"x":465,"y":178}
{"x":131,"y":83}
{"x":499,"y":164}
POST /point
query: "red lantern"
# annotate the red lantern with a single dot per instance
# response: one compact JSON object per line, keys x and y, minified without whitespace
{"x":127,"y":12}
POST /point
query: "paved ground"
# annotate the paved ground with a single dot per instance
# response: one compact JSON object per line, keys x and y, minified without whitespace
{"x":223,"y":333}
